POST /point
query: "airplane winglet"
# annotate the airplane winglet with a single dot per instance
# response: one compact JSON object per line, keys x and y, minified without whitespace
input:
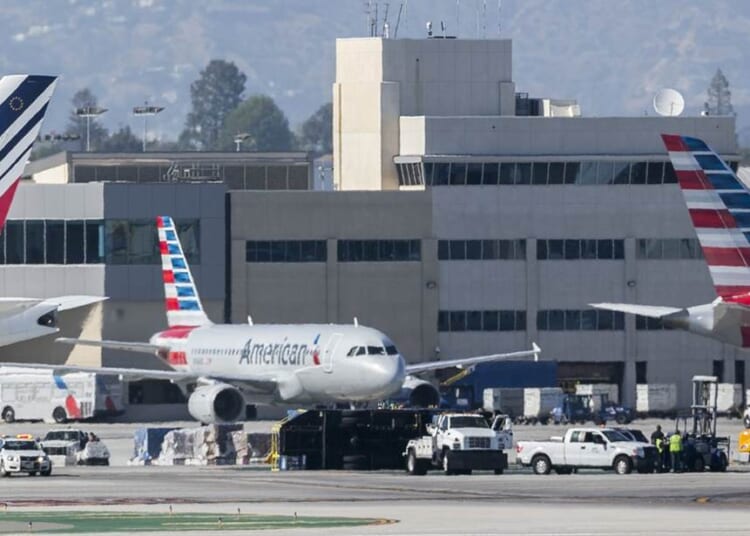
{"x":537,"y":350}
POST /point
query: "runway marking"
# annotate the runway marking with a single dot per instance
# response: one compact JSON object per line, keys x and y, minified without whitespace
{"x":103,"y":522}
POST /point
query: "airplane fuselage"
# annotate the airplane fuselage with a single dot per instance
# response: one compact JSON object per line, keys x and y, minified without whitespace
{"x":307,"y":363}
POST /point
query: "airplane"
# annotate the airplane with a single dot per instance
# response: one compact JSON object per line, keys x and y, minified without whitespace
{"x":232,"y":365}
{"x":719,"y":207}
{"x":23,"y":104}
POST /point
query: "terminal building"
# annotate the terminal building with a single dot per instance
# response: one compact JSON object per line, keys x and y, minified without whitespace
{"x":467,"y":219}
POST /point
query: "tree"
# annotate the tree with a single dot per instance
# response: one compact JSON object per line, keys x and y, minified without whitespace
{"x":266,"y":124}
{"x":214,"y":95}
{"x":317,"y":130}
{"x":84,"y":98}
{"x":719,"y":96}
{"x":122,"y":141}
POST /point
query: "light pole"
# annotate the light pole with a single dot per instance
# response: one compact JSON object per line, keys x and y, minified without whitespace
{"x":145,"y":111}
{"x":88,"y":112}
{"x":239,"y":138}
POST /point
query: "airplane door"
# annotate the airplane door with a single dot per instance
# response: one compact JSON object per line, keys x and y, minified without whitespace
{"x":330,"y":350}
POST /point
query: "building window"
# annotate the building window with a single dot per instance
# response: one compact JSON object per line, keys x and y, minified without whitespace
{"x":286,"y":251}
{"x":641,"y":368}
{"x":577,"y":320}
{"x":668,"y":249}
{"x":577,"y":249}
{"x":486,"y":250}
{"x":74,"y":242}
{"x":34,"y":241}
{"x":15,"y":248}
{"x":646,"y":323}
{"x":456,"y":321}
{"x":55,"y":242}
{"x":379,"y":250}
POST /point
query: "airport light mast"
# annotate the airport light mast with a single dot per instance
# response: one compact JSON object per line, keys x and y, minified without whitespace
{"x":88,"y":112}
{"x":146,"y":111}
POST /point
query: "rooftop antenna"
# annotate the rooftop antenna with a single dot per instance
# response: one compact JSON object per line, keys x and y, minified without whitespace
{"x":484,"y":19}
{"x":442,"y":27}
{"x":669,"y":102}
{"x":406,"y":17}
{"x":386,"y":30}
{"x":458,"y":18}
{"x":429,"y":28}
{"x":385,"y":20}
{"x":398,"y":20}
{"x":374,"y":29}
{"x":476,"y":20}
{"x":498,"y":17}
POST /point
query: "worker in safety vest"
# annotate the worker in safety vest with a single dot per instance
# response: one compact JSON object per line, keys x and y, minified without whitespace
{"x":675,"y":450}
{"x":661,"y":463}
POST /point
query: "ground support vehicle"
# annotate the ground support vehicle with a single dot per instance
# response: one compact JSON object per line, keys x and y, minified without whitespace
{"x":33,"y":394}
{"x":74,"y":447}
{"x":22,"y":454}
{"x":459,"y":443}
{"x":594,"y":448}
{"x":573,"y":409}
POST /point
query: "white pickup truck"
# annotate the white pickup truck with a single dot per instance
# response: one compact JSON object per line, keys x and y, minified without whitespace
{"x":459,"y":443}
{"x":591,"y":448}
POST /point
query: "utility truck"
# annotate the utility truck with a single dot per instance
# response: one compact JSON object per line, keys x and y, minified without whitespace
{"x":459,"y":443}
{"x":591,"y":448}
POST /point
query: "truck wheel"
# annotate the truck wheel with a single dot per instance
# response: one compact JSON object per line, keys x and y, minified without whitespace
{"x":541,"y":465}
{"x":621,"y":419}
{"x":47,"y":472}
{"x":9,"y":415}
{"x":698,"y":464}
{"x":414,"y":466}
{"x":447,"y":467}
{"x":721,"y":464}
{"x":3,"y":472}
{"x":59,"y":415}
{"x":623,"y":465}
{"x":32,"y":473}
{"x":499,"y":471}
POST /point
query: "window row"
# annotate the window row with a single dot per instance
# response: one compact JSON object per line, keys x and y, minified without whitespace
{"x":668,"y":248}
{"x":574,"y":249}
{"x":575,"y":320}
{"x":536,"y":173}
{"x":286,"y":251}
{"x":460,"y":250}
{"x":237,"y":177}
{"x":379,"y":250}
{"x":481,"y":321}
{"x":90,"y":241}
{"x":645,"y":323}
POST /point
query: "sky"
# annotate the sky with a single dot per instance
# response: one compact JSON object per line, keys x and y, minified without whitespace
{"x":610,"y":56}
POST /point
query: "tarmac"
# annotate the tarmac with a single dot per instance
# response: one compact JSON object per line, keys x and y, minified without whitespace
{"x":518,"y":502}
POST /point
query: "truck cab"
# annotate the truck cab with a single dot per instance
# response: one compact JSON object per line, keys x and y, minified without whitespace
{"x":460,"y":443}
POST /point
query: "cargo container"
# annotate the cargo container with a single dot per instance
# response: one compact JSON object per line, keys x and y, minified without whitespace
{"x":507,"y":400}
{"x":656,"y":399}
{"x":600,"y":393}
{"x":467,"y":391}
{"x":539,"y":402}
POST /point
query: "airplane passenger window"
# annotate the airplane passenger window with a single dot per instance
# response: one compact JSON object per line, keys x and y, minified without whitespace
{"x":361,"y":350}
{"x":375,"y":350}
{"x":391,"y":350}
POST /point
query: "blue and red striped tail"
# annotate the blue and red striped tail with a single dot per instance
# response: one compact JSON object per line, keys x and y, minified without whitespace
{"x":719,"y":206}
{"x":23,"y":103}
{"x":184,"y":306}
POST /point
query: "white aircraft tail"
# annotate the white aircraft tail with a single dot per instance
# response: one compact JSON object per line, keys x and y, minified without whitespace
{"x":184,"y":306}
{"x":23,"y":103}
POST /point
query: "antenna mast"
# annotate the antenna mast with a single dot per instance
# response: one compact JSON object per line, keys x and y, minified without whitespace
{"x":398,"y":20}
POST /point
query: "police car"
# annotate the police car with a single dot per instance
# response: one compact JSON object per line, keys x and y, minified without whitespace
{"x":22,"y":454}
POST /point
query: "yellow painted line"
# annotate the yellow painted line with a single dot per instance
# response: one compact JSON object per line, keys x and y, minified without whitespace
{"x":703,"y":500}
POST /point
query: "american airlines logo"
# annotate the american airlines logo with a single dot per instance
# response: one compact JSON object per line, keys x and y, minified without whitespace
{"x":283,"y":353}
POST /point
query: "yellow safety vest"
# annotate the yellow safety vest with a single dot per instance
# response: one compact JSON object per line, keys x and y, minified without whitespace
{"x":660,"y":444}
{"x":675,"y":443}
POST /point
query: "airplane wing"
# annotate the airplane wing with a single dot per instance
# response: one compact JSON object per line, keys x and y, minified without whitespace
{"x":468,"y":361}
{"x":652,"y":311}
{"x":129,"y":373}
{"x":9,"y":306}
{"x":142,"y":347}
{"x":66,"y":303}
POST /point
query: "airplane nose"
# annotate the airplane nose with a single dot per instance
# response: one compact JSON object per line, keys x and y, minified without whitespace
{"x":386,"y":375}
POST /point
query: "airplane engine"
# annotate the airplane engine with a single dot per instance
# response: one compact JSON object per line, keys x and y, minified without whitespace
{"x":419,"y":393}
{"x":216,"y":404}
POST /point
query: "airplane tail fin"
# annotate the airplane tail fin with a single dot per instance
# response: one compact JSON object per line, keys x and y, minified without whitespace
{"x":184,"y":306}
{"x":23,"y":103}
{"x":719,"y":206}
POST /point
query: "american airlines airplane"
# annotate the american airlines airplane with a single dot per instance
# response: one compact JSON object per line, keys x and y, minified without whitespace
{"x":719,"y":207}
{"x":23,"y":103}
{"x":232,"y":365}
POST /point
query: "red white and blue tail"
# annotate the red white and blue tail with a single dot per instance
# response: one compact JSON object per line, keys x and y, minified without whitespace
{"x":23,"y":103}
{"x":184,"y":306}
{"x":719,"y":206}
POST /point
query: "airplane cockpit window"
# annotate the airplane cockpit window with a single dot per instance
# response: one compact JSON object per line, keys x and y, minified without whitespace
{"x":361,"y":350}
{"x":352,"y":351}
{"x":391,"y":350}
{"x":375,"y":350}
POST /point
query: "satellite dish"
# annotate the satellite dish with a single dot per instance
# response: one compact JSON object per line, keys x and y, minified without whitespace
{"x":668,"y":102}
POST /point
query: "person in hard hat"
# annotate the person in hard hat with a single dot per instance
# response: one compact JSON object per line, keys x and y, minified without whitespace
{"x":675,"y":451}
